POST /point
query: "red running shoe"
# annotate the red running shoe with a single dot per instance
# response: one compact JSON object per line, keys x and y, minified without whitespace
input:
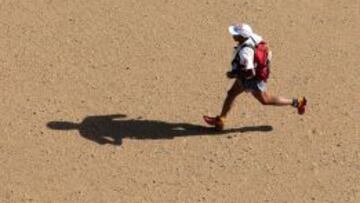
{"x":217,"y":122}
{"x":301,"y":105}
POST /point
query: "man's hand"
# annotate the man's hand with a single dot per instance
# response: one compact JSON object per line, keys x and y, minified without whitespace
{"x":249,"y":74}
{"x":230,"y":75}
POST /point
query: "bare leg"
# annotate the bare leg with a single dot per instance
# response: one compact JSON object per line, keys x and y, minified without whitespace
{"x":234,"y":91}
{"x":267,"y":99}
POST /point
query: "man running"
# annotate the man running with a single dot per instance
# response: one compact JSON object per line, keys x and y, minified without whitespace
{"x":250,"y":69}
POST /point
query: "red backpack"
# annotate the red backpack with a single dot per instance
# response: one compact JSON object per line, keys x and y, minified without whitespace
{"x":261,"y":60}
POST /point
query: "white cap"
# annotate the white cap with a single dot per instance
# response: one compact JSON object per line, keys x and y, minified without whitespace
{"x":243,"y":30}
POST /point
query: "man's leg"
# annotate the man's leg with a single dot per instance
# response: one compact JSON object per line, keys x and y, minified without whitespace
{"x":218,"y":121}
{"x":234,"y":91}
{"x":267,"y":99}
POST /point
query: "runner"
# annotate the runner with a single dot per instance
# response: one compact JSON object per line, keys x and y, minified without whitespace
{"x":250,"y":67}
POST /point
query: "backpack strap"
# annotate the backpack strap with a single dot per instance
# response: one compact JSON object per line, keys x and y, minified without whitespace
{"x":250,"y":46}
{"x":252,"y":39}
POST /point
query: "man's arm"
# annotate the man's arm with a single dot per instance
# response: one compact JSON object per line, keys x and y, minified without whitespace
{"x":247,"y":60}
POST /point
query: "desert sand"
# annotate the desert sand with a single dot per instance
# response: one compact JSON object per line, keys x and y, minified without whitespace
{"x":102,"y":101}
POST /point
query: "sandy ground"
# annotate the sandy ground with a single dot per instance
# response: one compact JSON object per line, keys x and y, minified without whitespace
{"x":102,"y":101}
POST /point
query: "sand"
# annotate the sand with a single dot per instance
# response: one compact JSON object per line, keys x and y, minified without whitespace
{"x":102,"y":101}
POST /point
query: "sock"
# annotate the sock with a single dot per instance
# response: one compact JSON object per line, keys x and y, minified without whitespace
{"x":295,"y":102}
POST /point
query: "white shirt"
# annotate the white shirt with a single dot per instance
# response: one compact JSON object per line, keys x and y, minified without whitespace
{"x":246,"y":54}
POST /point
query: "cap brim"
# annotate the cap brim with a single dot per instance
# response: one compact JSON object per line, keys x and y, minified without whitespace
{"x":232,"y":30}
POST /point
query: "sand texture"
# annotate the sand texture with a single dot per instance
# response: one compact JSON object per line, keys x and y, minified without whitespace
{"x":102,"y":101}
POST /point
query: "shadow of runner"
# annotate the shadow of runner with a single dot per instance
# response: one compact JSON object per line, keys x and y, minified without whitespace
{"x":111,"y":129}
